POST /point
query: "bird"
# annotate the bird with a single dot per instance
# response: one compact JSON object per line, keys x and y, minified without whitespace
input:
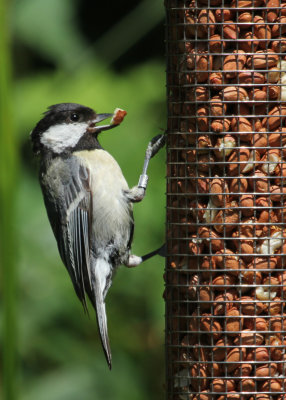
{"x":88,"y":201}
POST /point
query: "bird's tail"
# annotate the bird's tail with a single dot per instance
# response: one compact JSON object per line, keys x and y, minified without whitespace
{"x":99,"y":284}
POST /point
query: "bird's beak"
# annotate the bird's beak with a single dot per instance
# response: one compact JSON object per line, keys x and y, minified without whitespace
{"x":94,"y":128}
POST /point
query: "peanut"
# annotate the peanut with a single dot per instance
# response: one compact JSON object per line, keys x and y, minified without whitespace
{"x":206,"y":21}
{"x":262,"y":59}
{"x":233,"y":63}
{"x":249,"y":42}
{"x":230,"y":30}
{"x":233,"y":322}
{"x":218,"y":189}
{"x":261,"y":31}
{"x":232,"y":93}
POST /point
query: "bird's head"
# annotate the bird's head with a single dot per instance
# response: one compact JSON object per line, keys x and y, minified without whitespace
{"x":67,"y":127}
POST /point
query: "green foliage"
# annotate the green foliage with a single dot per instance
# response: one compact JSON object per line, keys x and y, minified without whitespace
{"x":48,"y":27}
{"x":59,"y":348}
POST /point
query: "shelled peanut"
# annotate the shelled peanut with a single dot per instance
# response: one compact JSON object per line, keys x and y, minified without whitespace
{"x":227,"y":198}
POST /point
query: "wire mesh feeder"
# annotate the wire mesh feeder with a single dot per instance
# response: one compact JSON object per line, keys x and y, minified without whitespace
{"x":226,"y":277}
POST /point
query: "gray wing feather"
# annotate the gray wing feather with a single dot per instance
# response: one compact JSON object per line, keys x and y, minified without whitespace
{"x":77,"y":233}
{"x":68,"y":205}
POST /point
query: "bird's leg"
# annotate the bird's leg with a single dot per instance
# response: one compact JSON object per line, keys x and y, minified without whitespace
{"x":137,"y":193}
{"x":134,"y":260}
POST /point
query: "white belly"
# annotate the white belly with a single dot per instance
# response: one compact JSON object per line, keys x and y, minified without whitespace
{"x":111,"y":210}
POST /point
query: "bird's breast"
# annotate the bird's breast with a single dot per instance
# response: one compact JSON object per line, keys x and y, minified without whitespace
{"x":112,"y":213}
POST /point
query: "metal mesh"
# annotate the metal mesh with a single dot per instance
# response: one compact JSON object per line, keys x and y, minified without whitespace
{"x":225,"y":280}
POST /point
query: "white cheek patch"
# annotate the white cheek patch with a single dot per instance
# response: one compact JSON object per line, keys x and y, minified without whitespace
{"x":59,"y":137}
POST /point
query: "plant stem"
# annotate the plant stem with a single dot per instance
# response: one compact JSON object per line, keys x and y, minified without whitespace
{"x":8,"y":171}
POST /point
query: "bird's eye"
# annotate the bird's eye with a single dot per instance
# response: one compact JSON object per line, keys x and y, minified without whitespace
{"x":74,"y":117}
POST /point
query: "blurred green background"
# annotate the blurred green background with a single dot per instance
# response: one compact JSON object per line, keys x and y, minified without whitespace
{"x":103,"y":56}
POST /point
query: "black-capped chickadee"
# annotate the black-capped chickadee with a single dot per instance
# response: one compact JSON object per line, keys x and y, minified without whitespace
{"x":88,"y":201}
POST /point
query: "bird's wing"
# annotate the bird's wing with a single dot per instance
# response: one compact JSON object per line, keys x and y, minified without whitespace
{"x":77,"y":232}
{"x":70,"y":217}
{"x":69,"y":207}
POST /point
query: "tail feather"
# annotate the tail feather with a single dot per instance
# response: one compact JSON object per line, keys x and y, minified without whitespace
{"x":102,"y":324}
{"x":99,"y":276}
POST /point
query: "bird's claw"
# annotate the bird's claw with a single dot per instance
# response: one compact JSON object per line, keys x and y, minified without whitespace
{"x":155,"y":145}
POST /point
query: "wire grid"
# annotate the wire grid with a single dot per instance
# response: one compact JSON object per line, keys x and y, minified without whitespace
{"x":225,"y":280}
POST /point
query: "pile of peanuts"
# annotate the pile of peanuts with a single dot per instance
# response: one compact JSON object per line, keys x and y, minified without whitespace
{"x":225,"y":280}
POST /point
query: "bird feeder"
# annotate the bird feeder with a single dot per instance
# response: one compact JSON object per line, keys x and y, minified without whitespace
{"x":226,"y":200}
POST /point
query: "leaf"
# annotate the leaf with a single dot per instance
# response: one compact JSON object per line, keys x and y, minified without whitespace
{"x":49,"y":27}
